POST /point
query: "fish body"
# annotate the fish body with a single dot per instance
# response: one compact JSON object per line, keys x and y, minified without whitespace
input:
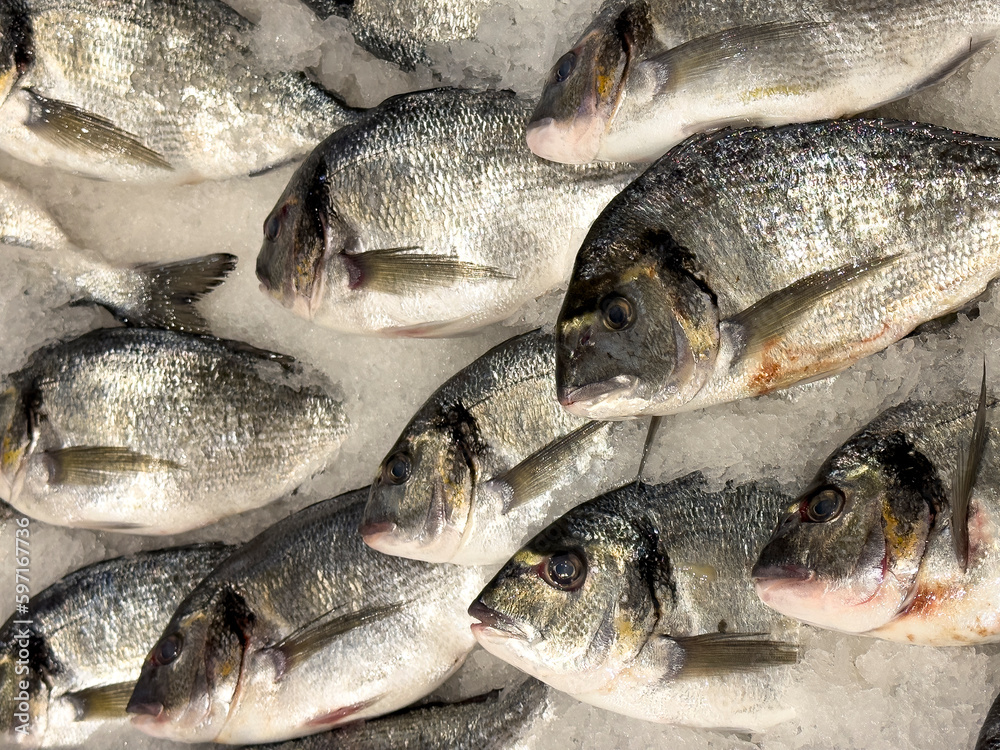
{"x":84,"y":640}
{"x":878,"y":557}
{"x":302,"y":629}
{"x":158,"y":432}
{"x":645,"y":75}
{"x":427,"y":218}
{"x":746,"y":261}
{"x":989,"y":735}
{"x":485,"y":461}
{"x":494,"y":721}
{"x":150,"y":91}
{"x":640,"y":602}
{"x":159,"y":295}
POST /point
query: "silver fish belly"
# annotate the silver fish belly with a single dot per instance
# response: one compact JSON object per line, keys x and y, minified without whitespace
{"x":747,"y":261}
{"x":487,"y":460}
{"x":83,"y":640}
{"x":644,"y":75}
{"x":157,"y":432}
{"x":640,"y":602}
{"x":302,"y":629}
{"x":150,"y":91}
{"x":428,"y":218}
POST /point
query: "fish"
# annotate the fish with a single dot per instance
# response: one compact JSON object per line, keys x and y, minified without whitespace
{"x":158,"y":295}
{"x":302,"y":629}
{"x":747,"y":261}
{"x":989,"y":735}
{"x":869,"y":546}
{"x":402,"y":30}
{"x":640,"y":602}
{"x":69,"y":662}
{"x":429,"y":217}
{"x":493,"y":721}
{"x":152,"y":92}
{"x":646,"y":74}
{"x":486,"y":461}
{"x":158,"y":432}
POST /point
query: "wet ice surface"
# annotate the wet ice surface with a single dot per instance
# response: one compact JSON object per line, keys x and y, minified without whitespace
{"x":851,"y":692}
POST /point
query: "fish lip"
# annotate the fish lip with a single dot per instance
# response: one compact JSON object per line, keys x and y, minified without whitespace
{"x":584,"y":398}
{"x":145,"y":712}
{"x":497,"y":622}
{"x":548,"y":140}
{"x":769,"y":578}
{"x":373,"y":532}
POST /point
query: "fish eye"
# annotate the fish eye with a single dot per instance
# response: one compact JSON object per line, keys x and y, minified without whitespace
{"x":272,"y":225}
{"x":617,"y":312}
{"x":824,"y":505}
{"x":565,"y":571}
{"x":167,"y":650}
{"x":566,"y":64}
{"x":396,"y":468}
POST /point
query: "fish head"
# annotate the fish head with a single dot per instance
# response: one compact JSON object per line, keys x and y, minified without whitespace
{"x":421,"y":500}
{"x":16,"y":53}
{"x":585,"y":88}
{"x":299,"y":235}
{"x":15,"y":442}
{"x":188,"y":681}
{"x":26,"y":667}
{"x":572,"y":607}
{"x":846,"y":554}
{"x":642,"y":340}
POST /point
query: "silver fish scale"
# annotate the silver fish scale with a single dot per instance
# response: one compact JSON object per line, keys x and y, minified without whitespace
{"x":244,"y":429}
{"x":98,"y":623}
{"x":312,"y":565}
{"x":762,"y":208}
{"x":177,"y":75}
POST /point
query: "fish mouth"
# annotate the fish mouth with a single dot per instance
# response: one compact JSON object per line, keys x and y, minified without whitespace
{"x":601,"y":399}
{"x":493,"y":623}
{"x":567,"y":143}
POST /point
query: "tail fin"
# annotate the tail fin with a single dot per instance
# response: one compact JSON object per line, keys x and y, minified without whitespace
{"x":162,"y":295}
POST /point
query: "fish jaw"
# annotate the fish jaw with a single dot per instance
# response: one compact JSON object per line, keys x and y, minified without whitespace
{"x":614,"y":398}
{"x":575,"y":142}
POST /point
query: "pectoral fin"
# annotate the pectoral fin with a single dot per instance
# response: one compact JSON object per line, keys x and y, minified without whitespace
{"x":965,"y":479}
{"x":309,"y":639}
{"x":90,"y":465}
{"x":104,"y":702}
{"x":938,"y":75}
{"x":717,"y":654}
{"x":690,"y":63}
{"x":654,"y":427}
{"x":546,"y":467}
{"x":69,"y":126}
{"x":397,"y":270}
{"x":775,"y":314}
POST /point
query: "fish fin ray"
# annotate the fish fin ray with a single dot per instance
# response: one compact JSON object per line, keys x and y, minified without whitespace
{"x":396,"y":270}
{"x":772,"y":316}
{"x":716,"y":654}
{"x":310,"y":638}
{"x":705,"y":56}
{"x":654,"y":427}
{"x":173,"y":288}
{"x":951,"y":66}
{"x":964,"y":479}
{"x":69,"y":126}
{"x":102,"y":702}
{"x":94,"y":465}
{"x":538,"y":473}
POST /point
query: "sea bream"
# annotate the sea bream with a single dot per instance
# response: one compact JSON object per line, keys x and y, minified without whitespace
{"x":158,"y":432}
{"x":429,"y":217}
{"x":648,"y":73}
{"x":640,"y":602}
{"x":81,"y":642}
{"x":898,"y":537}
{"x":148,"y":90}
{"x":302,"y":629}
{"x":746,"y":261}
{"x":159,"y":295}
{"x":487,"y":460}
